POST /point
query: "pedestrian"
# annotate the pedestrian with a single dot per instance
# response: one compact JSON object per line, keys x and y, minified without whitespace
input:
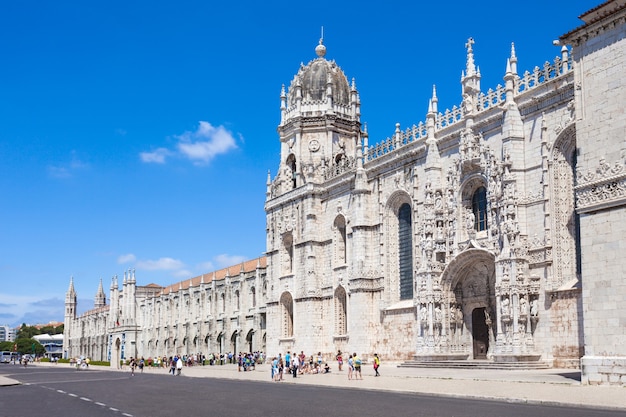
{"x":133,"y":365}
{"x":339,"y":358}
{"x":173,"y":365}
{"x":179,"y":365}
{"x":141,"y":364}
{"x":357,"y":366}
{"x":350,"y":366}
{"x":376,"y":364}
{"x":295,"y":364}
{"x":275,"y":369}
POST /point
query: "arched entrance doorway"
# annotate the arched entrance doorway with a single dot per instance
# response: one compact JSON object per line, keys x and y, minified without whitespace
{"x":480,"y":333}
{"x":468,"y":286}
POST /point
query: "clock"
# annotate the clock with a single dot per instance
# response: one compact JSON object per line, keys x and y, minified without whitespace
{"x":314,"y":145}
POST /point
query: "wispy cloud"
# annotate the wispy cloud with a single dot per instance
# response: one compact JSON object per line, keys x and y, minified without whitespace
{"x":126,"y":259}
{"x":67,"y":170}
{"x":199,"y":146}
{"x":157,"y":156}
{"x":225,"y":260}
{"x":161,"y":264}
{"x":35,"y":309}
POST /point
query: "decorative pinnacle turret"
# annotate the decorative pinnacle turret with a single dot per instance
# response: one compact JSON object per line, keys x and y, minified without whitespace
{"x":470,"y":68}
{"x":320,"y":49}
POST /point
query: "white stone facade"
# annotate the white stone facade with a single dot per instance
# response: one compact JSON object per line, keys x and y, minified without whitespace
{"x":599,"y":52}
{"x":220,"y":312}
{"x":458,"y":237}
{"x":493,"y":230}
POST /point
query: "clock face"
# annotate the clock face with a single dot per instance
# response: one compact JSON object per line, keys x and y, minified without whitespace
{"x":314,"y":145}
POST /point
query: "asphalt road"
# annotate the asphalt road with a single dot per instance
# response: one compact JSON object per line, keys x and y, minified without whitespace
{"x":65,"y":392}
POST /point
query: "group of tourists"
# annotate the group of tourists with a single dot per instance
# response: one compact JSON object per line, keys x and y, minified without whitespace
{"x":301,"y":364}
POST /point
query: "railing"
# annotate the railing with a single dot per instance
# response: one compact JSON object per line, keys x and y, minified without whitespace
{"x":492,"y":98}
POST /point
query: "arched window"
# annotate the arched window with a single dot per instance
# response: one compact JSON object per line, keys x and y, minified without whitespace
{"x":286,"y":307}
{"x":237,"y":300}
{"x":479,"y":208}
{"x":405,"y":251}
{"x":341,"y":311}
{"x":223,"y":303}
{"x":291,"y":163}
{"x":253,"y":293}
{"x":287,"y":254}
{"x":340,"y":240}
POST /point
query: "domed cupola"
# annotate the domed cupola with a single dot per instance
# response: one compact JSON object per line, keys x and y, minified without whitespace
{"x":319,"y":79}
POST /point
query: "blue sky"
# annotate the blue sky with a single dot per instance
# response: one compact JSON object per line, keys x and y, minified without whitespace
{"x":139,"y":134}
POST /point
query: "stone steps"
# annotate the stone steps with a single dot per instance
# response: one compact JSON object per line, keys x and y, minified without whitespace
{"x":476,"y":364}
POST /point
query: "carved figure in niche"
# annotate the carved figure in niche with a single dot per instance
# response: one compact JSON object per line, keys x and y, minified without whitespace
{"x":438,"y":201}
{"x":450,"y":200}
{"x":423,"y":314}
{"x":504,"y":308}
{"x":534,"y":307}
{"x":469,"y":219}
{"x":452,"y":313}
{"x":440,"y":232}
{"x":523,"y":305}
{"x":468,"y":103}
{"x":438,"y":314}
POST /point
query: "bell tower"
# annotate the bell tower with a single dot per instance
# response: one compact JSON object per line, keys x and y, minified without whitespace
{"x":320,"y":127}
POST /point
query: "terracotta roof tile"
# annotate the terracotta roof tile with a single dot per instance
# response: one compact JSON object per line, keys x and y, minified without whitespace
{"x":231,"y":271}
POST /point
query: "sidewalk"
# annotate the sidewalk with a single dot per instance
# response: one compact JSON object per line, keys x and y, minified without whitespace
{"x":548,"y":386}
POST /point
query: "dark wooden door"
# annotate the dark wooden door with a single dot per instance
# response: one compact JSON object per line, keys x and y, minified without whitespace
{"x":480,"y":333}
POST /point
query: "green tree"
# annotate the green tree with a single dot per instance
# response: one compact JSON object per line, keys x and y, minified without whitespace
{"x":29,"y":346}
{"x":6,"y":346}
{"x":26,"y":332}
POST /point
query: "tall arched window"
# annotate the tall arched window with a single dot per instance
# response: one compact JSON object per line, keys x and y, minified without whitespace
{"x":565,"y":220}
{"x":237,"y":300}
{"x":340,"y":240}
{"x":286,"y":307}
{"x":253,"y":293}
{"x":341,"y":311}
{"x":405,"y":251}
{"x":287,"y":254}
{"x":479,"y":208}
{"x":291,"y":163}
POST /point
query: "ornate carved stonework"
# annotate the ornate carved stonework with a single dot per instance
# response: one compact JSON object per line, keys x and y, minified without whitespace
{"x":606,"y":187}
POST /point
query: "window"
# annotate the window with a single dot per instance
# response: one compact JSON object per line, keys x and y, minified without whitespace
{"x":287,"y":254}
{"x":341,"y":311}
{"x":340,"y":240}
{"x":479,"y":208}
{"x":286,"y":306}
{"x":405,"y":251}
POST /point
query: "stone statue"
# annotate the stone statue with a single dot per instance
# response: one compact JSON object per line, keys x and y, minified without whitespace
{"x":505,"y":306}
{"x":534,"y":308}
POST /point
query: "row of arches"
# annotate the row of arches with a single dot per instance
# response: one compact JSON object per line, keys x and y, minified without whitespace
{"x":340,"y":313}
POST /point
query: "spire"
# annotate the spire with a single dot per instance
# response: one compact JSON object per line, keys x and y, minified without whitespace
{"x":70,"y":290}
{"x":470,"y":78}
{"x":320,"y":49}
{"x":470,"y":68}
{"x":100,"y":300}
{"x":513,"y":59}
{"x":512,"y":126}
